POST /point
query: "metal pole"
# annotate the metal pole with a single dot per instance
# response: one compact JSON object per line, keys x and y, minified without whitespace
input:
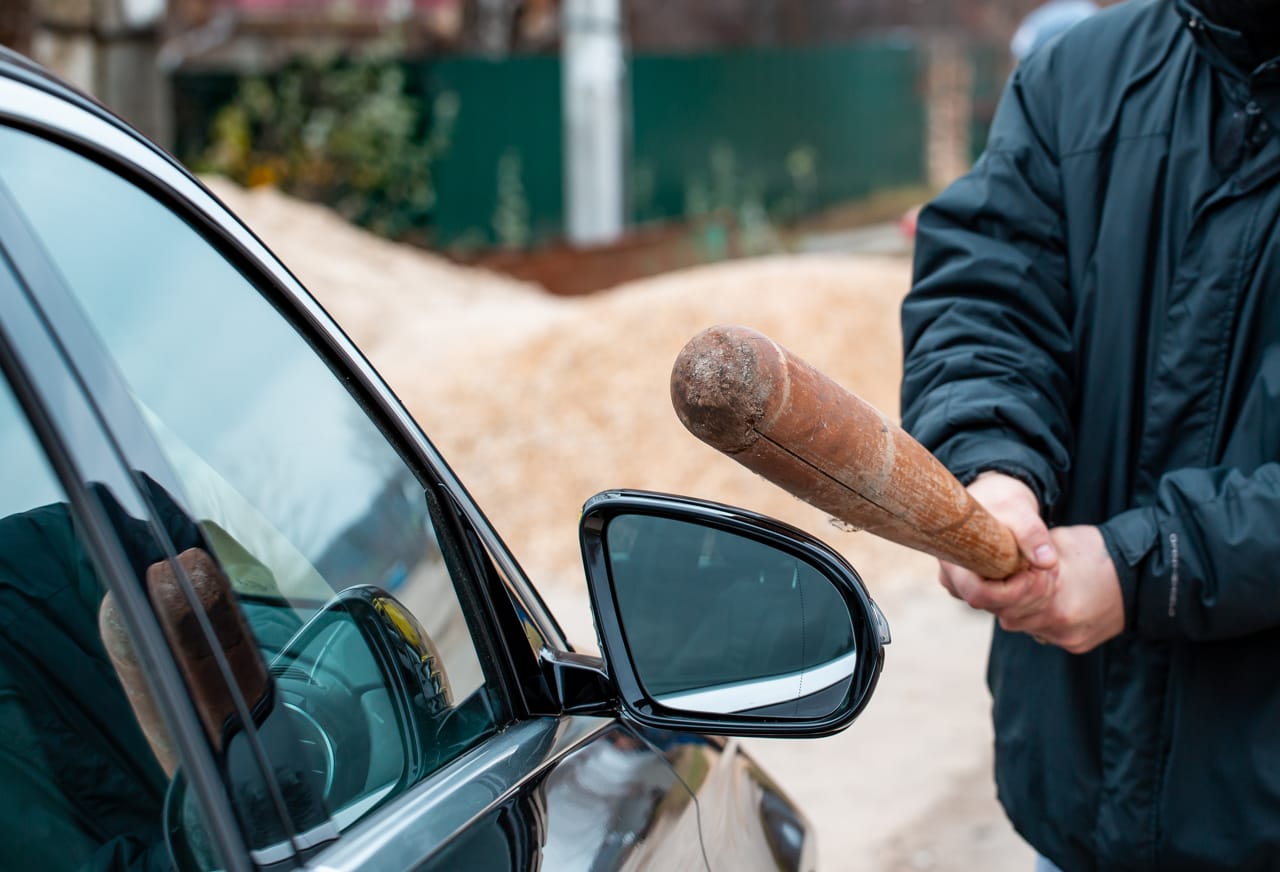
{"x":595,"y":123}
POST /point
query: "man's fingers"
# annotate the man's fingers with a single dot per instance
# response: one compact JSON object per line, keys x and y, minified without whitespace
{"x":1036,"y":597}
{"x":1015,"y":505}
{"x":993,"y":596}
{"x":1087,"y":608}
{"x":1024,"y":592}
{"x":1041,"y":620}
{"x":1034,"y":541}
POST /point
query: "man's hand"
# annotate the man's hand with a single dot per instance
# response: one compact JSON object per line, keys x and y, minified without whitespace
{"x":1088,"y":608}
{"x":1013,"y":504}
{"x":1070,"y":596}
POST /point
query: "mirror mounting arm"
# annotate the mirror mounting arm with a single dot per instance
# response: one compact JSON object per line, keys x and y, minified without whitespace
{"x":580,"y":683}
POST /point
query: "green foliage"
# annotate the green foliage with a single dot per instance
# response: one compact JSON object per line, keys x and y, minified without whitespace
{"x":511,"y":210}
{"x":342,"y":133}
{"x":730,"y":212}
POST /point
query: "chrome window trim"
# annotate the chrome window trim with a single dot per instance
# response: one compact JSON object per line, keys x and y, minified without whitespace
{"x":281,"y":852}
{"x":416,"y":825}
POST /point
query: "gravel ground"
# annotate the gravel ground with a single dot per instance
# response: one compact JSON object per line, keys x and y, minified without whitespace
{"x":540,"y":402}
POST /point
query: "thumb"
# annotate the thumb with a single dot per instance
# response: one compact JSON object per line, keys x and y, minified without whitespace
{"x":1035,"y":542}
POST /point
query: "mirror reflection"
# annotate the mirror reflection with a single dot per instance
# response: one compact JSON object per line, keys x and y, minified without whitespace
{"x":719,"y":623}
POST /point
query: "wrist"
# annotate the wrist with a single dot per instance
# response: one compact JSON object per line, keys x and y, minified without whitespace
{"x":1009,"y":471}
{"x":999,"y":486}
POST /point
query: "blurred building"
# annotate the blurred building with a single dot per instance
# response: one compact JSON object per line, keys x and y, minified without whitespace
{"x":126,"y":51}
{"x":686,"y":25}
{"x":749,"y":113}
{"x":109,"y":48}
{"x":269,"y":31}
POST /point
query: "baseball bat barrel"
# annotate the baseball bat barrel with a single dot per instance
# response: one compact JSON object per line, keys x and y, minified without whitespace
{"x":748,"y":397}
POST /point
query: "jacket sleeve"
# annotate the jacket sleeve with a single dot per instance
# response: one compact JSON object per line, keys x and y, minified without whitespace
{"x":1200,"y":562}
{"x":986,"y":326}
{"x":1198,"y":559}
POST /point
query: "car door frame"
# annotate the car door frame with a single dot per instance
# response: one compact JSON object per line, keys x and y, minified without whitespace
{"x":543,"y":732}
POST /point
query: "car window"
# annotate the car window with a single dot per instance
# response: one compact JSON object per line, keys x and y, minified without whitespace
{"x":324,"y":532}
{"x":80,"y":784}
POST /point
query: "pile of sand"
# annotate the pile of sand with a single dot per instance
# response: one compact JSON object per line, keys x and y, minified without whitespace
{"x":419,"y":310}
{"x":539,"y":402}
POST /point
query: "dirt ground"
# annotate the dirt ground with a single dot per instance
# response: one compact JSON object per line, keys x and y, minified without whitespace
{"x":539,"y":402}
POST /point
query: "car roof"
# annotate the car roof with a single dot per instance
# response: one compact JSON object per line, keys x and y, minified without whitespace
{"x":18,"y":66}
{"x":23,"y":70}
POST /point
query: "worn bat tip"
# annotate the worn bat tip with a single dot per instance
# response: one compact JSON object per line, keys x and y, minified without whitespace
{"x":721,"y":385}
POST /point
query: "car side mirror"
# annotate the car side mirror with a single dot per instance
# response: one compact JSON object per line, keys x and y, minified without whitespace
{"x":718,"y":620}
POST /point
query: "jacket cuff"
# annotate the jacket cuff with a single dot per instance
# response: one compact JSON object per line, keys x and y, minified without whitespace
{"x":970,"y":454}
{"x":1129,"y":538}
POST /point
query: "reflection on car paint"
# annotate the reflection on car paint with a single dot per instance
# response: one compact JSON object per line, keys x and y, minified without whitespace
{"x":745,"y":813}
{"x":615,"y":804}
{"x":612,"y":804}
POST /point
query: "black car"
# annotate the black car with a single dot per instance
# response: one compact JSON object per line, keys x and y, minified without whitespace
{"x":252,"y":619}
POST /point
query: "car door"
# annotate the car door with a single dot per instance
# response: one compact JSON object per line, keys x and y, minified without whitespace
{"x":245,"y":420}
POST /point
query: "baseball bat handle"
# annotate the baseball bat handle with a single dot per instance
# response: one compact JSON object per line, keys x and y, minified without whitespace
{"x":748,"y":397}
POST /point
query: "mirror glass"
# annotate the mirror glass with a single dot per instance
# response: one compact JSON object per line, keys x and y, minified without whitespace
{"x":720,"y":623}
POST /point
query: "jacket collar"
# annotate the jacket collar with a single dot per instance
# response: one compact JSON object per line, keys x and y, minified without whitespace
{"x":1254,"y":89}
{"x":1226,"y":48}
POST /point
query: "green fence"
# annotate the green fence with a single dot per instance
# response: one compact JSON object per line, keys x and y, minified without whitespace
{"x":783,"y":131}
{"x":788,"y":131}
{"x":506,"y":148}
{"x":793,"y":130}
{"x":991,"y":67}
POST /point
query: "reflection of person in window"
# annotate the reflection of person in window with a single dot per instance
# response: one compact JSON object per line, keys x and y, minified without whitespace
{"x":84,"y":783}
{"x":81,"y":787}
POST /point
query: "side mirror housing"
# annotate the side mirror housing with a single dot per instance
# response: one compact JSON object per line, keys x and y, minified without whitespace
{"x":718,"y":620}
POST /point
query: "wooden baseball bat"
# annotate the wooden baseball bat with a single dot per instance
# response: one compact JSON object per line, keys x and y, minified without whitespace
{"x":750,"y":398}
{"x":209,"y":690}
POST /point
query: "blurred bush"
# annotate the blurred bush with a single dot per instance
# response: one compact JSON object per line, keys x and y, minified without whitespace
{"x":729,"y":212}
{"x":345,"y":133}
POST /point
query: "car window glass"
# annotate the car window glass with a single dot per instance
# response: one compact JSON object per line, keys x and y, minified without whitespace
{"x":80,"y":784}
{"x":321,"y":527}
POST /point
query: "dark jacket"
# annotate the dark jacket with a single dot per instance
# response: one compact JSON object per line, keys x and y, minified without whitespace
{"x":82,"y":789}
{"x":1097,"y":311}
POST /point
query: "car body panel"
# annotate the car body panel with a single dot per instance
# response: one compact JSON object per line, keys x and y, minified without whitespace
{"x":567,"y":794}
